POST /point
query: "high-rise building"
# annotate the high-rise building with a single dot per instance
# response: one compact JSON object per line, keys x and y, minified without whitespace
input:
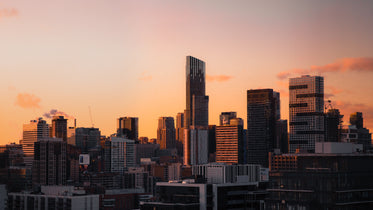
{"x":357,"y":119}
{"x":196,"y":113}
{"x":166,"y":133}
{"x":59,"y":127}
{"x":128,"y":127}
{"x":356,"y":133}
{"x":179,"y":133}
{"x":225,"y":117}
{"x":306,"y":112}
{"x":212,"y":143}
{"x":87,"y":138}
{"x":261,"y":125}
{"x":33,"y":132}
{"x":50,"y":166}
{"x":230,"y":142}
{"x":333,"y":123}
{"x":122,"y":154}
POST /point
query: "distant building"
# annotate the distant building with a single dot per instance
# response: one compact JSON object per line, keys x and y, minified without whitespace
{"x":225,"y":117}
{"x":128,"y":127}
{"x":50,"y":162}
{"x":196,"y":113}
{"x":321,"y":181}
{"x":196,"y":150}
{"x":357,"y":119}
{"x":179,"y":133}
{"x":54,"y":197}
{"x":192,"y":195}
{"x":282,"y":140}
{"x":59,"y":127}
{"x":33,"y":132}
{"x":166,"y":133}
{"x":145,"y":151}
{"x":143,"y":140}
{"x":122,"y":154}
{"x":333,"y":123}
{"x":306,"y":112}
{"x":217,"y":173}
{"x":261,"y":125}
{"x":212,"y":143}
{"x":230,"y":142}
{"x":87,"y":138}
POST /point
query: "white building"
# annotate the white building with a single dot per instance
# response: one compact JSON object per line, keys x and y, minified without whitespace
{"x":222,"y":173}
{"x":306,"y":112}
{"x":122,"y":154}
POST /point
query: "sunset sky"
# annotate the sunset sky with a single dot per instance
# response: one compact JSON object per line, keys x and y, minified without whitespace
{"x":127,"y":58}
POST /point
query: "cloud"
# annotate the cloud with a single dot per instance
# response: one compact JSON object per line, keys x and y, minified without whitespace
{"x":26,"y":100}
{"x":332,"y":91}
{"x":4,"y":12}
{"x":364,"y":64}
{"x":55,"y":112}
{"x":145,"y":77}
{"x":218,"y":78}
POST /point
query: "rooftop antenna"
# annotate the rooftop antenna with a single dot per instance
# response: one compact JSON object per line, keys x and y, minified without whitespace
{"x":90,"y":115}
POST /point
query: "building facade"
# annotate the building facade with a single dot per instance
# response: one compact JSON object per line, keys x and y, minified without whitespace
{"x":59,"y":127}
{"x":166,"y":133}
{"x":261,"y":125}
{"x":306,"y":112}
{"x":196,"y":113}
{"x":128,"y":127}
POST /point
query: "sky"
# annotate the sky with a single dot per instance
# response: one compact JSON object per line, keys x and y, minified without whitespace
{"x":99,"y":60}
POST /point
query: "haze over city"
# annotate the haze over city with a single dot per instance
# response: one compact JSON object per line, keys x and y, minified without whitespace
{"x":127,"y":58}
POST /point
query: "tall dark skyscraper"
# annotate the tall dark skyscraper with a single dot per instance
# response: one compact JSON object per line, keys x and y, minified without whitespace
{"x":87,"y":138}
{"x":306,"y":112}
{"x":196,"y":113}
{"x":59,"y":127}
{"x":128,"y":127}
{"x":166,"y":132}
{"x":261,"y":125}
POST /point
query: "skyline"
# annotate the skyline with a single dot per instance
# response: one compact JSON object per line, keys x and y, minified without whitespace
{"x":139,"y":64}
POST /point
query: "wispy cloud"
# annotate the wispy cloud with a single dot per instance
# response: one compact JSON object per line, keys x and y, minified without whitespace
{"x":26,"y":100}
{"x":5,"y":12}
{"x":333,"y":91}
{"x":145,"y":77}
{"x":218,"y":78}
{"x":55,"y":112}
{"x":364,"y":64}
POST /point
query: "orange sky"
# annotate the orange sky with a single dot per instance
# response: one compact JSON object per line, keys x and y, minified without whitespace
{"x":127,"y":58}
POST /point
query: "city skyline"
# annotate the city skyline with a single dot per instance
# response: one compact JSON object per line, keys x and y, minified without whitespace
{"x":138,"y":68}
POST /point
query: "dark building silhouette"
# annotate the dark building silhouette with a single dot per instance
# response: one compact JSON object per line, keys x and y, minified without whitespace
{"x":261,"y":125}
{"x":321,"y":181}
{"x":87,"y":138}
{"x":195,"y":114}
{"x":333,"y":123}
{"x":128,"y":127}
{"x":282,"y":140}
{"x":212,"y":143}
{"x":49,"y":167}
{"x":166,"y":133}
{"x":179,"y":135}
{"x":357,"y":119}
{"x":59,"y":127}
